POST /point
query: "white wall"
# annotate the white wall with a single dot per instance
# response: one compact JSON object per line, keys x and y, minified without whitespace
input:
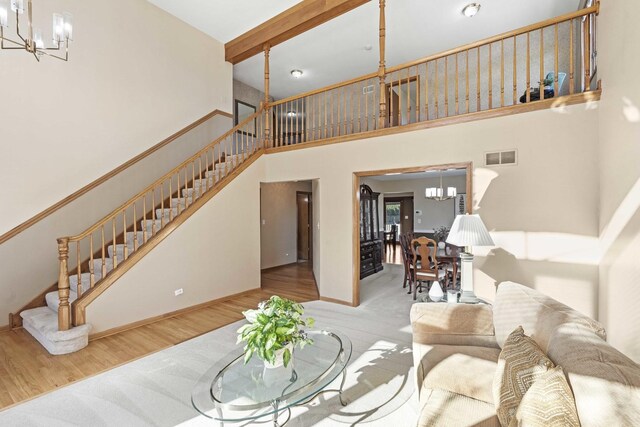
{"x":212,"y":255}
{"x":543,"y":212}
{"x":317,"y":247}
{"x":135,"y":76}
{"x":619,"y":155}
{"x":279,"y":222}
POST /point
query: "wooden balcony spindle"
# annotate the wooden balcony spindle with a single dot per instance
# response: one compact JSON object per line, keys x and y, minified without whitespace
{"x":64,"y":310}
{"x":490,"y":78}
{"x":153,"y":211}
{"x":426,"y":90}
{"x":382,"y":117}
{"x":344,"y":110}
{"x":528,"y":90}
{"x":587,"y":52}
{"x":478,"y":104}
{"x":446,"y":86}
{"x":408,"y":96}
{"x":502,"y":73}
{"x":515,"y":72}
{"x":571,"y":64}
{"x":466,"y":99}
{"x":556,"y":89}
{"x":437,"y":88}
{"x":417,"y":104}
{"x":541,"y":64}
{"x":457,"y":87}
{"x":267,"y":128}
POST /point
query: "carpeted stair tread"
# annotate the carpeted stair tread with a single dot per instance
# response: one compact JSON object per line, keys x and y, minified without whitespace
{"x":53,"y":300}
{"x":42,"y":323}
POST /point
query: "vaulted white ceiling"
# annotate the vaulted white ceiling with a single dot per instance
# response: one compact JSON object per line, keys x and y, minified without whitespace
{"x":335,"y":51}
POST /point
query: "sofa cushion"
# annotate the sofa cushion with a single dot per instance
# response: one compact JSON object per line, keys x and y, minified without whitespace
{"x":539,"y":315}
{"x":444,"y":408}
{"x":605,"y":383}
{"x":520,"y":364}
{"x":464,"y":370}
{"x":548,"y":403}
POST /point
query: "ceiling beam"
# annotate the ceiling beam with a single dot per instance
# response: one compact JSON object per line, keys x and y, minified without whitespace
{"x":294,"y":21}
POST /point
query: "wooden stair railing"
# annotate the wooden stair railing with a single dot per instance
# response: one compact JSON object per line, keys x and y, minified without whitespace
{"x":130,"y":231}
{"x":490,"y":74}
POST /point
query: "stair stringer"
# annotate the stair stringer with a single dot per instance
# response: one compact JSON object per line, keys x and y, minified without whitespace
{"x":216,"y":253}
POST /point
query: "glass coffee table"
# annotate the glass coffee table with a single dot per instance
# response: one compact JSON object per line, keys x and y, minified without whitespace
{"x":233,"y":392}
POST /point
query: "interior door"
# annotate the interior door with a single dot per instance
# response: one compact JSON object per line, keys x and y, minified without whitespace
{"x":406,"y":212}
{"x":303,"y":202}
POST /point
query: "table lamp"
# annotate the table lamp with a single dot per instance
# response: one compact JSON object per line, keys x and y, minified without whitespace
{"x":468,"y":231}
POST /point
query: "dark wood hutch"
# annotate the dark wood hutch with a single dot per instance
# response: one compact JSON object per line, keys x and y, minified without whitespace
{"x":370,"y":242}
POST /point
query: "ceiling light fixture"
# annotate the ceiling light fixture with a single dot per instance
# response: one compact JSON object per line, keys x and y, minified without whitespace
{"x":470,"y":10}
{"x":296,"y":73}
{"x":33,"y":42}
{"x":437,"y":194}
{"x":291,"y":114}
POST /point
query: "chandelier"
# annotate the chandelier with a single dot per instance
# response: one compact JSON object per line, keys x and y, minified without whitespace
{"x":33,"y":42}
{"x":437,"y":194}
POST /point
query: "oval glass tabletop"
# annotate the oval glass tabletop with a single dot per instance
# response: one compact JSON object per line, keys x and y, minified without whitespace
{"x":232,"y":391}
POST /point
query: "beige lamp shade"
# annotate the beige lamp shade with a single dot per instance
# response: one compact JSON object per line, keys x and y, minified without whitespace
{"x":469,"y":230}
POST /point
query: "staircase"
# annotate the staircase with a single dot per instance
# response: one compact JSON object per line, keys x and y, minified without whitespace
{"x":134,"y":229}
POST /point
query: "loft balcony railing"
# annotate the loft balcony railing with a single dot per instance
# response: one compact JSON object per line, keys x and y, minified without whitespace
{"x":552,"y":61}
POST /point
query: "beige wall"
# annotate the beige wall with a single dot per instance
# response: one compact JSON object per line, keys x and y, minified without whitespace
{"x":317,"y":248}
{"x":211,"y":255}
{"x":542,"y":212}
{"x":619,"y":154}
{"x":279,"y":222}
{"x":136,"y":75}
{"x":434,"y":214}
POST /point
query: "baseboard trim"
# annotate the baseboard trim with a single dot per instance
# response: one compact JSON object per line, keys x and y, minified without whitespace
{"x":275,"y":267}
{"x":337,"y":301}
{"x":154,"y":319}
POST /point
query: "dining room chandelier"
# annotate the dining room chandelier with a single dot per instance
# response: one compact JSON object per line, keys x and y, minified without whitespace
{"x":33,"y":42}
{"x":438,"y":194}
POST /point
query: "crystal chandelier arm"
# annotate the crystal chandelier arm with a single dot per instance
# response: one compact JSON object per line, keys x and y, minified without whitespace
{"x":3,"y":39}
{"x":62,"y":58}
{"x":18,"y":29}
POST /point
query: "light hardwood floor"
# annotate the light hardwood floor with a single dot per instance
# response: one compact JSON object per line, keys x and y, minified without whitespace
{"x":27,"y":370}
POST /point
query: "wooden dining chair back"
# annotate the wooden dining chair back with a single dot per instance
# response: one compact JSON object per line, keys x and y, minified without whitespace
{"x":424,"y":262}
{"x":406,"y":260}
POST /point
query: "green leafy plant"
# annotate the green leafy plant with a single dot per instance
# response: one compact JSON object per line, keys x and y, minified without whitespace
{"x":441,"y":233}
{"x":274,"y":325}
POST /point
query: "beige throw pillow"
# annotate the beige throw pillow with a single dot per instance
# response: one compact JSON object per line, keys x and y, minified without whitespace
{"x":520,"y":364}
{"x":548,"y":403}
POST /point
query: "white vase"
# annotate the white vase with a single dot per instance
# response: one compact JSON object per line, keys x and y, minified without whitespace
{"x":279,"y":362}
{"x":441,"y":245}
{"x":435,"y":292}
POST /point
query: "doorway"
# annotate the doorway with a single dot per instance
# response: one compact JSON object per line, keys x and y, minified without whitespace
{"x":403,"y":101}
{"x":398,"y":211}
{"x":304,"y":229}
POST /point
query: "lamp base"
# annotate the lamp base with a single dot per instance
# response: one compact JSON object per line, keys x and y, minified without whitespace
{"x":468,"y":297}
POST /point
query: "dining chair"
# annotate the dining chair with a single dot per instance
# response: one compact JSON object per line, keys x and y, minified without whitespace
{"x":425,"y":263}
{"x":406,"y":261}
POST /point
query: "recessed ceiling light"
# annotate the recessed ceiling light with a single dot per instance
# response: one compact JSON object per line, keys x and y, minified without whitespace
{"x":470,"y":10}
{"x":296,"y":73}
{"x":291,"y":113}
{"x":368,"y":47}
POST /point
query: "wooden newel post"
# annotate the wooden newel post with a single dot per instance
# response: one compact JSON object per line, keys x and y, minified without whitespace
{"x":382,"y":118}
{"x":64,"y":311}
{"x":267,"y":129}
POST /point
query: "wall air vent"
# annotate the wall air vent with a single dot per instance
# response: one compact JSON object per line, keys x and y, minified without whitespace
{"x":368,"y":89}
{"x":508,"y":157}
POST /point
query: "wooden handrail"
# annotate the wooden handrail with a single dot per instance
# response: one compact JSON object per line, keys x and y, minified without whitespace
{"x":520,"y":31}
{"x":324,"y":89}
{"x":104,"y":178}
{"x":159,"y":181}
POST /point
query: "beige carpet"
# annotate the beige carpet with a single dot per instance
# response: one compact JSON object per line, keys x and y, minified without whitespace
{"x":156,"y":390}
